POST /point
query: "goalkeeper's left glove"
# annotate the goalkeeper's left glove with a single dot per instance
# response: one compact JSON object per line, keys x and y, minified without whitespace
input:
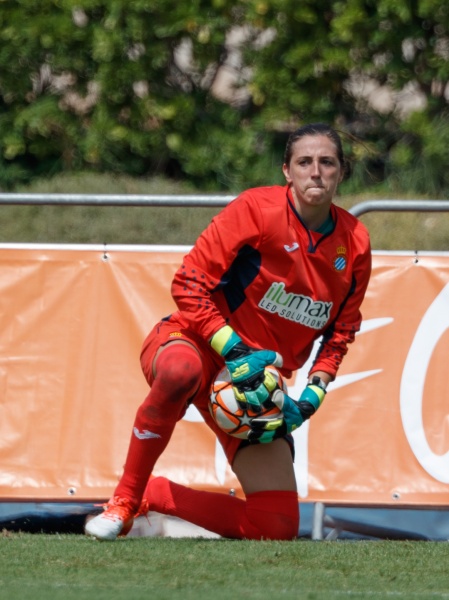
{"x":293,"y":413}
{"x":252,"y":383}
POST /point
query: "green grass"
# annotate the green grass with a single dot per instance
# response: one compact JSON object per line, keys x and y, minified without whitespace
{"x":157,"y":225}
{"x":111,"y":225}
{"x":72,"y":566}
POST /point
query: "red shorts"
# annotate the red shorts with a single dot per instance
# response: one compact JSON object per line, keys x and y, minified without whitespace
{"x":168,"y":331}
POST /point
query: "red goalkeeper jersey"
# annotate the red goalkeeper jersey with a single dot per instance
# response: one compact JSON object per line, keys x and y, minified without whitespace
{"x":279,"y":285}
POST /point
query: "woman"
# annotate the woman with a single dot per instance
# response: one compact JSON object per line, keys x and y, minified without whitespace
{"x":278,"y":268}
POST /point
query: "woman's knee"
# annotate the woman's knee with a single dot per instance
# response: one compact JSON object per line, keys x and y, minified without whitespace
{"x":179,"y":369}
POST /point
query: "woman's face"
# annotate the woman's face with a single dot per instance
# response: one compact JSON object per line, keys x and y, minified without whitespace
{"x":314,"y":171}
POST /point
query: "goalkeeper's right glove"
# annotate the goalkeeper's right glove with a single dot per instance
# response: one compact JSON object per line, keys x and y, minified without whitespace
{"x":252,"y":384}
{"x":293,"y":413}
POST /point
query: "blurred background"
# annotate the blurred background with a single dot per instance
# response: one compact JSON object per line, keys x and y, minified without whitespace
{"x":159,"y":96}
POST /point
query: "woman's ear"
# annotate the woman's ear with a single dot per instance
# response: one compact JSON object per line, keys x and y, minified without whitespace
{"x":286,"y":171}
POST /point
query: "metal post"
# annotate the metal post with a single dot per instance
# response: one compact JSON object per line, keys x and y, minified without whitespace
{"x":318,"y":521}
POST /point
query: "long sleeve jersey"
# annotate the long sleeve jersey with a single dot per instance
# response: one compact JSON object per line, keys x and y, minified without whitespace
{"x":259,"y":269}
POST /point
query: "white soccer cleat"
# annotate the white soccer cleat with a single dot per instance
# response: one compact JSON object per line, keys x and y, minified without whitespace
{"x":116,"y":520}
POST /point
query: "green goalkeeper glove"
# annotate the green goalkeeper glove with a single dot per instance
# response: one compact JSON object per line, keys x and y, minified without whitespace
{"x":294,"y":413}
{"x":252,"y":384}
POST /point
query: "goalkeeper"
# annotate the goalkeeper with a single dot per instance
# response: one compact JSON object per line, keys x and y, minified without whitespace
{"x":278,"y":268}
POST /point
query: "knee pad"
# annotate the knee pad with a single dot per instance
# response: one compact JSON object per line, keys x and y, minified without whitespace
{"x":178,"y":371}
{"x":178,"y":376}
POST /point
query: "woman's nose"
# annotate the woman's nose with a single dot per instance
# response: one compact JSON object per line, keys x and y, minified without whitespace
{"x":315,"y":168}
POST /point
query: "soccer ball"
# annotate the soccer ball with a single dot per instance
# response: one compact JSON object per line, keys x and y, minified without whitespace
{"x":225,"y":409}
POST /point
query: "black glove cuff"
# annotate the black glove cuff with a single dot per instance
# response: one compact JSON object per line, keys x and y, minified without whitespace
{"x":237,"y":351}
{"x":307,"y":409}
{"x":315,"y":380}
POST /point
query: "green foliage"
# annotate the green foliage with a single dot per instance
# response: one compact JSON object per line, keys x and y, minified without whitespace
{"x":208,"y":90}
{"x":419,"y":160}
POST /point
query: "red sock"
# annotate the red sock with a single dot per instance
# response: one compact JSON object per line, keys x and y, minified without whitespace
{"x":270,"y":515}
{"x":179,"y":372}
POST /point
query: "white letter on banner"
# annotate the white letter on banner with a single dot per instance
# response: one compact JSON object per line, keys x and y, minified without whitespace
{"x":432,"y":326}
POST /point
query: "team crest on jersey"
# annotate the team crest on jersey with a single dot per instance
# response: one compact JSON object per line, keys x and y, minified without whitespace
{"x":340,"y":260}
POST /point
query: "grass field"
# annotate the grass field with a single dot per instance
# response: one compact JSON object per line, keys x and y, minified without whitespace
{"x":47,"y":567}
{"x":157,"y":225}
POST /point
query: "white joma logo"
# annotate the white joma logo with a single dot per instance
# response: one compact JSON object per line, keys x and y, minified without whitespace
{"x":145,"y":434}
{"x":291,"y":248}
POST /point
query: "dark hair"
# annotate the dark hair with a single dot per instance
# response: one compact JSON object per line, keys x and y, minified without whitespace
{"x":316,"y":129}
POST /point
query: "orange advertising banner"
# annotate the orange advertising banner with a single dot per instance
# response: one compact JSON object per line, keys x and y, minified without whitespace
{"x":72,"y":321}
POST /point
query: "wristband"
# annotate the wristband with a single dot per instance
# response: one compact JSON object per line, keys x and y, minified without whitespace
{"x":315,"y":380}
{"x":224,"y":340}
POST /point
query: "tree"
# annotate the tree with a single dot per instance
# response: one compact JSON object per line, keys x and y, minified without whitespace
{"x":378,"y":69}
{"x":209,"y":90}
{"x":114,"y":85}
